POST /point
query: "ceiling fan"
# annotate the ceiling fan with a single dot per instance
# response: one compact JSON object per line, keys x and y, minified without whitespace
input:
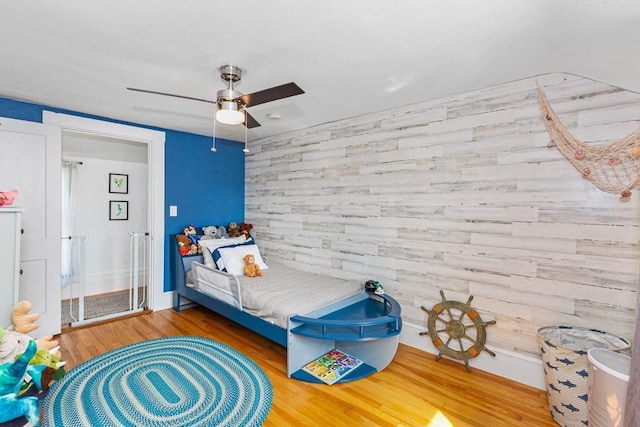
{"x":231,"y":105}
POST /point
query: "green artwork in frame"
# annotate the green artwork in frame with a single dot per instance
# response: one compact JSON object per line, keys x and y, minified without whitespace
{"x":118,"y":210}
{"x":118,"y":183}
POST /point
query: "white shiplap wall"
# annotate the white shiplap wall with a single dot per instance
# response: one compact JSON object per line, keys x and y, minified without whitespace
{"x":461,"y":194}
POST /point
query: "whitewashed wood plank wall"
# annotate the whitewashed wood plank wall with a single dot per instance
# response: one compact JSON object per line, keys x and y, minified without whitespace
{"x":461,"y":194}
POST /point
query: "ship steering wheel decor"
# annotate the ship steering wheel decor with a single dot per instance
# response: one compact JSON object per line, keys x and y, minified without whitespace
{"x":454,"y":322}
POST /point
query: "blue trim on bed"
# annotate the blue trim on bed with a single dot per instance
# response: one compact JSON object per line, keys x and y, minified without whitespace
{"x":266,"y":329}
{"x":366,"y":325}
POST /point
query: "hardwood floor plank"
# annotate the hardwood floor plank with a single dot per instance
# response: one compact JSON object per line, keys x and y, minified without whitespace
{"x":414,"y":390}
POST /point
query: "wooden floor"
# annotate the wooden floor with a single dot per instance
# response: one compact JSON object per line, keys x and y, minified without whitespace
{"x":414,"y":390}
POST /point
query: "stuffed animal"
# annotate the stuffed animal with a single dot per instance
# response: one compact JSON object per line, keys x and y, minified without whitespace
{"x":44,"y":367}
{"x":190,"y":232}
{"x":25,"y":362}
{"x":221,"y":233}
{"x":12,"y":344}
{"x":209,"y":232}
{"x":193,"y":249}
{"x":7,"y":197}
{"x":184,"y":239}
{"x":11,"y":379}
{"x":23,"y":322}
{"x":233,"y":230}
{"x":251,"y":269}
{"x":245,"y":229}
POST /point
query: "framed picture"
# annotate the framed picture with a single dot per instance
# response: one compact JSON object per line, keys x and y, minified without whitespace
{"x":118,"y":210}
{"x":118,"y":183}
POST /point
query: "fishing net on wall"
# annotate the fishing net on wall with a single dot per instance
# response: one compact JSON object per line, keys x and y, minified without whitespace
{"x":613,"y":168}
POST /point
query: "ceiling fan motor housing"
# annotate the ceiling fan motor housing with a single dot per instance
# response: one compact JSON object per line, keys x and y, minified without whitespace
{"x":230,"y":95}
{"x":230,"y":73}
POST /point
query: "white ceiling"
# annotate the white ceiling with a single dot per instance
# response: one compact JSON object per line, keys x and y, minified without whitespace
{"x":351,"y":57}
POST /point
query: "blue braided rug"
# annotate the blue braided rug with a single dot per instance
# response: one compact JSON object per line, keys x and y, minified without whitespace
{"x":177,"y":381}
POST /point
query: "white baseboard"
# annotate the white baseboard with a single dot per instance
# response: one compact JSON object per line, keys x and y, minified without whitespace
{"x":508,"y":364}
{"x":162,"y":300}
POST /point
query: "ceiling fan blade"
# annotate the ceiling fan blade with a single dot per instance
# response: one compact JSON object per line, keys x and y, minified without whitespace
{"x":271,"y":94}
{"x":251,"y":122}
{"x":171,"y":94}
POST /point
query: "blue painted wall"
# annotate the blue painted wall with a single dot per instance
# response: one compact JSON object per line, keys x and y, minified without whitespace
{"x":207,"y":187}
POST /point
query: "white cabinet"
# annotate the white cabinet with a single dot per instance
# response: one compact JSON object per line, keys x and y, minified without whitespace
{"x":10,"y":219}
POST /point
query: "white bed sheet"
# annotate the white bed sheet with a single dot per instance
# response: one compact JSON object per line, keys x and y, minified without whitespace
{"x":283,"y":292}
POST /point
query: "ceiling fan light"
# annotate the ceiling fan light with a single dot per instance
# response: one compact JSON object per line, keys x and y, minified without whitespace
{"x":228,"y":113}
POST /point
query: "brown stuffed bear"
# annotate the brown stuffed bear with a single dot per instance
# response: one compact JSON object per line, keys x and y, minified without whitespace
{"x":233,"y":230}
{"x":183,"y":239}
{"x":245,"y":229}
{"x":251,"y":269}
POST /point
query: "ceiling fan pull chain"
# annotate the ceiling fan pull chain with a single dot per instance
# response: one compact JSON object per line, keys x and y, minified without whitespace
{"x":213,"y":147}
{"x":246,"y":128}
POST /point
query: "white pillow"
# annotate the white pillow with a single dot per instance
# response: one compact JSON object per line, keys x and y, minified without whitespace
{"x":217,"y":258}
{"x":234,"y":258}
{"x":210,"y":245}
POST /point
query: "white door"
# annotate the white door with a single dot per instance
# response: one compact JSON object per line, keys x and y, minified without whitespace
{"x":30,"y":161}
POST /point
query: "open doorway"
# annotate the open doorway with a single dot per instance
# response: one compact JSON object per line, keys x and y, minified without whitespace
{"x":115,"y":141}
{"x":105,"y":229}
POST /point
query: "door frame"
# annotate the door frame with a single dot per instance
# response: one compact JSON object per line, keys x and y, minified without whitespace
{"x":155,"y":141}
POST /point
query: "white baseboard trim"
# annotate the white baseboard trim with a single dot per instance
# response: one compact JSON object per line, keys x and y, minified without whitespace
{"x":508,"y":364}
{"x":162,"y":300}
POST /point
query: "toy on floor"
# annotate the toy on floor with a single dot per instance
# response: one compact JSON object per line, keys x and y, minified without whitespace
{"x":25,"y":363}
{"x":25,"y":322}
{"x":44,"y":368}
{"x":11,"y":378}
{"x":457,"y":330}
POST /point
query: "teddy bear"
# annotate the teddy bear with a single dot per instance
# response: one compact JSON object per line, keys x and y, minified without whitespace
{"x":183,"y":239}
{"x":187,"y":238}
{"x":251,"y":269}
{"x":233,"y":230}
{"x":213,"y":232}
{"x":209,"y":232}
{"x":245,"y":229}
